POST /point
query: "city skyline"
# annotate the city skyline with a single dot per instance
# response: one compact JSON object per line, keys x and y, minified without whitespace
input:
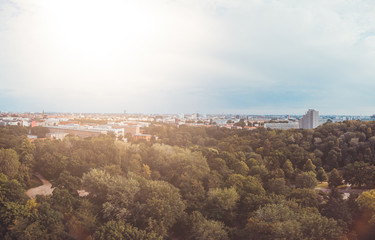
{"x":243,"y":57}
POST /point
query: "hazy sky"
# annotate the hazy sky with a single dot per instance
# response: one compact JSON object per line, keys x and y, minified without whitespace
{"x":172,"y":56}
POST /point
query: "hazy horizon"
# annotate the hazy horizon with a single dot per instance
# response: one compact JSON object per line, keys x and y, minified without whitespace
{"x":162,"y":56}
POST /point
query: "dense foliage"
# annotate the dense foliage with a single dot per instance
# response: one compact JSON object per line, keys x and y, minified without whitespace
{"x":192,"y":183}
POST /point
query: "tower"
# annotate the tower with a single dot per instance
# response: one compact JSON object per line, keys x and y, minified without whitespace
{"x":310,"y":120}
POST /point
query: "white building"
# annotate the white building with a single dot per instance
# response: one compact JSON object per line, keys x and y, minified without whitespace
{"x":59,"y":135}
{"x":284,"y":126}
{"x":310,"y":120}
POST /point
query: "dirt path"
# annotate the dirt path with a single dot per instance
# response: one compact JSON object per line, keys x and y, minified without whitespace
{"x":45,"y":189}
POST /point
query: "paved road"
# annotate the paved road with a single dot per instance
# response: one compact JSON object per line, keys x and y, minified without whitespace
{"x":45,"y":189}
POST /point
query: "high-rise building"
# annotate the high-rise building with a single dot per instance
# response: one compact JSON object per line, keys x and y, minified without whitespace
{"x":310,"y":120}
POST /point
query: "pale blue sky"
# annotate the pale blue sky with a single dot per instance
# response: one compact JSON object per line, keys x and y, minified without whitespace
{"x":171,"y":56}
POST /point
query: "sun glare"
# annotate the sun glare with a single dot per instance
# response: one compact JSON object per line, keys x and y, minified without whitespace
{"x":97,"y":28}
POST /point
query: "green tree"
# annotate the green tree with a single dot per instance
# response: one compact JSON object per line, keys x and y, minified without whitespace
{"x":288,"y":221}
{"x":39,"y":131}
{"x":86,"y":216}
{"x":62,"y":200}
{"x":366,"y":202}
{"x":334,"y":179}
{"x":359,"y":173}
{"x":27,"y":147}
{"x":305,"y":196}
{"x":119,"y":230}
{"x":277,"y":186}
{"x":306,"y":180}
{"x":96,"y":183}
{"x":241,"y":123}
{"x":51,"y":165}
{"x":309,"y":166}
{"x":336,"y":207}
{"x":43,"y":223}
{"x":321,"y":175}
{"x":68,"y":182}
{"x":288,"y":168}
{"x":120,"y":198}
{"x":241,"y":168}
{"x":158,"y":206}
{"x":244,"y":185}
{"x":10,"y":190}
{"x":9,"y":162}
{"x":203,"y":229}
{"x":221,"y":203}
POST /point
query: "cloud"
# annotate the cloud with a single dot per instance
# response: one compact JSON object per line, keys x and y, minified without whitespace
{"x":184,"y":56}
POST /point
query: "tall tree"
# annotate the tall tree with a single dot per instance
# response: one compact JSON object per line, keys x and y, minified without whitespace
{"x":309,"y":166}
{"x":335,"y":179}
{"x":306,"y":180}
{"x":321,"y":175}
{"x":9,"y":162}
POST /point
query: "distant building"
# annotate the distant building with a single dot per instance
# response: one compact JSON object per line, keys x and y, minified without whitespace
{"x":128,"y":129}
{"x":146,"y":137}
{"x":32,"y":136}
{"x":83,"y":133}
{"x":310,"y":120}
{"x":56,"y":135}
{"x":284,"y":126}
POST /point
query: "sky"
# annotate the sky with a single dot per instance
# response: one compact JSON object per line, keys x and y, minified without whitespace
{"x":186,"y":56}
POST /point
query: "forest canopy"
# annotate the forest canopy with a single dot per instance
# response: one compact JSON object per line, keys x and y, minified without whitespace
{"x":192,"y":183}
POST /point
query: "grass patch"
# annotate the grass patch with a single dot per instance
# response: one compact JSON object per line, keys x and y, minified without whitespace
{"x":34,"y":182}
{"x":323,"y":185}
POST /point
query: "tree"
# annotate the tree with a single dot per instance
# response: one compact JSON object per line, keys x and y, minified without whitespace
{"x":51,"y":165}
{"x":43,"y":223}
{"x":120,"y":199}
{"x":9,"y":162}
{"x":158,"y":206}
{"x":336,"y":207}
{"x":321,"y":175}
{"x":192,"y":191}
{"x":221,"y":203}
{"x":86,"y":215}
{"x":145,"y":171}
{"x":62,"y":200}
{"x":27,"y":147}
{"x":241,"y":123}
{"x":359,"y":173}
{"x":10,"y":190}
{"x":132,"y":163}
{"x":277,"y":186}
{"x":289,"y":221}
{"x":306,"y":180}
{"x":366,"y":202}
{"x":203,"y":229}
{"x":241,"y":168}
{"x":335,"y":179}
{"x":309,"y":166}
{"x":244,"y":185}
{"x":96,"y":182}
{"x":288,"y":168}
{"x":68,"y":182}
{"x":305,"y":196}
{"x":119,"y":230}
{"x":39,"y":131}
